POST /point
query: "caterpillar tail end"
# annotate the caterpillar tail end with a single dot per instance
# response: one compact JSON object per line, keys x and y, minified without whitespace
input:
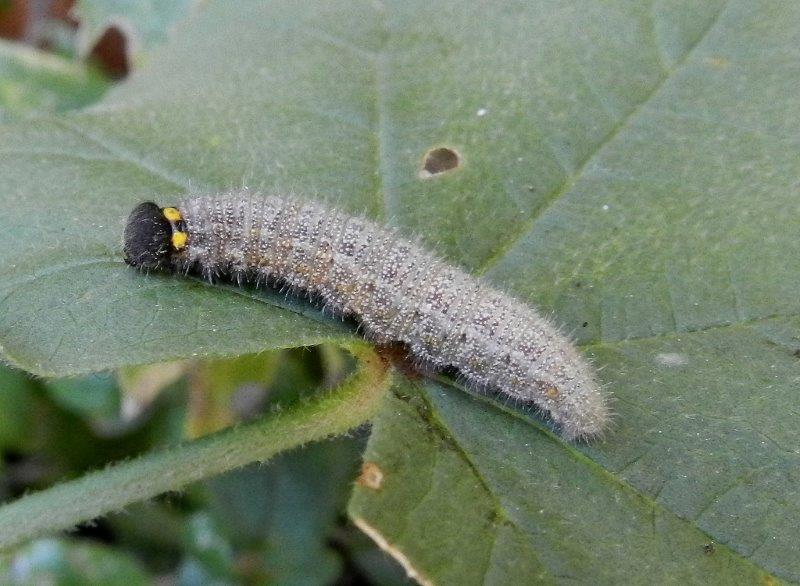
{"x":590,"y":421}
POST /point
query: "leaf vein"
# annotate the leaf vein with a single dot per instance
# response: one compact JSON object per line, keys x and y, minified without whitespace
{"x":570,"y":181}
{"x":126,"y":155}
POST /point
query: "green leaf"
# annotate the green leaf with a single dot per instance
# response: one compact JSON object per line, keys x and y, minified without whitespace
{"x":92,"y":397}
{"x":154,"y":529}
{"x":469,"y":494}
{"x":34,"y":82}
{"x":286,"y":511}
{"x":17,"y":404}
{"x":107,"y":315}
{"x":630,"y":166}
{"x":376,"y":565}
{"x":210,"y":554}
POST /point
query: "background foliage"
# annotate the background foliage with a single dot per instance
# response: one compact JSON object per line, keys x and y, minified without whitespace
{"x":630,"y":166}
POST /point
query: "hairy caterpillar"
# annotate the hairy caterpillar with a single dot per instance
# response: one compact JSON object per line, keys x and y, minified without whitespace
{"x":398,"y":291}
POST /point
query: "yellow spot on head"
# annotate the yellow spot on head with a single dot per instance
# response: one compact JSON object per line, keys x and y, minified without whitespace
{"x":551,"y":392}
{"x":179,"y":240}
{"x":172,"y":214}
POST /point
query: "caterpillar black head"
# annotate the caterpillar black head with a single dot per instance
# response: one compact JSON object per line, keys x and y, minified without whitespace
{"x":152,"y":235}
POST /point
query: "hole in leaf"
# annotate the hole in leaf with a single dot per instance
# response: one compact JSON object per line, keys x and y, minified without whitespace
{"x":439,"y":160}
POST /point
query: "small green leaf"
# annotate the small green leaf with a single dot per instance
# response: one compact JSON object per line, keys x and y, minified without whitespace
{"x":33,"y":82}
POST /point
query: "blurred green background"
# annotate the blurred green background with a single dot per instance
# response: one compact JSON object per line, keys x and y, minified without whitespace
{"x":278,"y":523}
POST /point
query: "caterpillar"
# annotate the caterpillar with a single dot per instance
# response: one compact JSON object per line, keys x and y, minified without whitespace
{"x":395,"y":289}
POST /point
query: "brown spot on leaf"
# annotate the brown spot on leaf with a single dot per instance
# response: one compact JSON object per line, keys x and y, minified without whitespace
{"x":371,"y":476}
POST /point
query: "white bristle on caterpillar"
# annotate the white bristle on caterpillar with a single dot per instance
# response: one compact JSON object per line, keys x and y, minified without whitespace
{"x":397,"y":290}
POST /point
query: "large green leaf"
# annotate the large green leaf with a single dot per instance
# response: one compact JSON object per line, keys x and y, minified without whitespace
{"x":631,"y":166}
